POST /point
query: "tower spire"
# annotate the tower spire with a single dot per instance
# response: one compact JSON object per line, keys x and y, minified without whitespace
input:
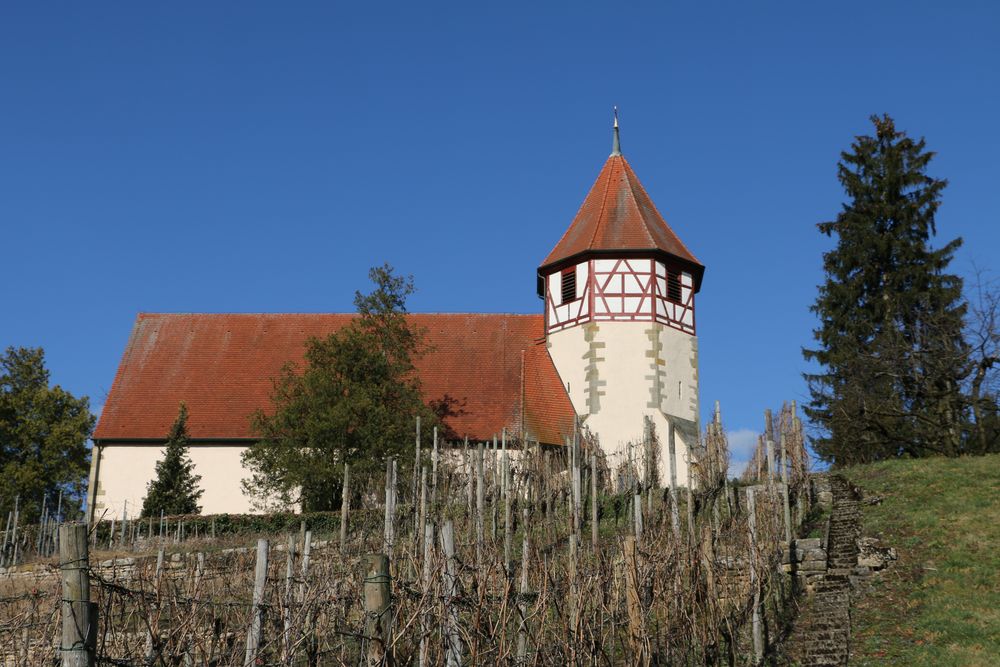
{"x":616,"y":146}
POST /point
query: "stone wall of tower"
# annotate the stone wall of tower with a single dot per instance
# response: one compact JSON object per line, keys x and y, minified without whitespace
{"x":618,"y":372}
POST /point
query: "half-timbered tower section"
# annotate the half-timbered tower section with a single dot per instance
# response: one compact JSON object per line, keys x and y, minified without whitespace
{"x":619,"y":291}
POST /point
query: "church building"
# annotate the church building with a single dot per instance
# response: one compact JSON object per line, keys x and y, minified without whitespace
{"x":615,"y":343}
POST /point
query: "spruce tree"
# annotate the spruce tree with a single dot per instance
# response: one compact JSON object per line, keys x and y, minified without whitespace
{"x":890,"y":345}
{"x":175,"y":488}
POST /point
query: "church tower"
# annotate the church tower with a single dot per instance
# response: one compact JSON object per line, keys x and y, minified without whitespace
{"x":619,"y":290}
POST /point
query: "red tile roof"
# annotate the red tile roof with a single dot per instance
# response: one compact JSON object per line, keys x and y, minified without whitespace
{"x":222,"y":366}
{"x":618,"y":215}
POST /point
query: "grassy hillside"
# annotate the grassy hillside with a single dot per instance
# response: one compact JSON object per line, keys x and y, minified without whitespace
{"x":940,"y":603}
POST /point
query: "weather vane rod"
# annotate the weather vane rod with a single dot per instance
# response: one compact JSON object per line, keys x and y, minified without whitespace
{"x":616,"y":146}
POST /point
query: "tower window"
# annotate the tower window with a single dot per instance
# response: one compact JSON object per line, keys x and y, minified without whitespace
{"x":674,"y":287}
{"x":568,"y":285}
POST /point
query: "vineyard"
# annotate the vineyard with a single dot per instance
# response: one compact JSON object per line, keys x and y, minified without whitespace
{"x":480,"y":554}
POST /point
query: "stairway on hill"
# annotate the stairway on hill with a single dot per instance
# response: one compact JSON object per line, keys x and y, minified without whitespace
{"x":822,"y":633}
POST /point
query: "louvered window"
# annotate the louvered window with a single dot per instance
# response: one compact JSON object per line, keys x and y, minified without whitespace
{"x":569,"y":285}
{"x":674,"y":286}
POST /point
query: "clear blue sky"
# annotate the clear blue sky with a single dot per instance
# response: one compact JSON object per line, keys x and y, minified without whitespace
{"x":261,"y":156}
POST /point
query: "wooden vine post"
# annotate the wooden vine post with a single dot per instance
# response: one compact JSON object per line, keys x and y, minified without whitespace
{"x":649,"y":482}
{"x":389,"y":536}
{"x":308,"y":623}
{"x":689,"y":458}
{"x":345,"y":506}
{"x":377,"y":610}
{"x":522,"y":607}
{"x":434,"y":472}
{"x":507,"y":526}
{"x":593,"y":500}
{"x":758,"y":638}
{"x":480,"y":502}
{"x":254,"y":635}
{"x":79,"y":615}
{"x":418,"y":523}
{"x":784,"y":494}
{"x":470,"y":490}
{"x":636,"y":626}
{"x":425,"y":619}
{"x":452,"y":637}
{"x":574,"y":599}
{"x":287,"y":601}
{"x":153,"y":630}
{"x":637,"y":515}
{"x":675,"y":519}
{"x":422,"y":513}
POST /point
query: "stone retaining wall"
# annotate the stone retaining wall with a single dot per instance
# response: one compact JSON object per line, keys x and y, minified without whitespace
{"x":124,"y":568}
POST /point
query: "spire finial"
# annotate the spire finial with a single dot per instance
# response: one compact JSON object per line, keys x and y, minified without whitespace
{"x":616,"y":146}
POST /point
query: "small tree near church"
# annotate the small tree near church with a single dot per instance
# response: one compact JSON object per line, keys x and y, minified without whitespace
{"x":353,"y":402}
{"x":175,"y":489}
{"x":43,"y":436}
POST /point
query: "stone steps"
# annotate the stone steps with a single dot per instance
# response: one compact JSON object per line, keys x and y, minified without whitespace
{"x":822,"y":632}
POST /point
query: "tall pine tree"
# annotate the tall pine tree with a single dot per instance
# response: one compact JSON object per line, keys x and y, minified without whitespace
{"x":890,"y":346}
{"x":175,"y":489}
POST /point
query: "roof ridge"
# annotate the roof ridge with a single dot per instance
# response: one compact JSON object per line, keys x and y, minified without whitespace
{"x":604,"y":199}
{"x":669,"y":229}
{"x":629,"y":174}
{"x":576,"y":215}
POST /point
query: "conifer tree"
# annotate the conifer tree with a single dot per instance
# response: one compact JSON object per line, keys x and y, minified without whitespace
{"x":353,"y":402}
{"x":43,"y":436}
{"x":175,"y":488}
{"x":890,"y":342}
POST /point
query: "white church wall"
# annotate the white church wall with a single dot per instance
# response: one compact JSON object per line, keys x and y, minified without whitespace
{"x":679,"y":352}
{"x":619,"y":372}
{"x":125,"y":470}
{"x":569,"y":351}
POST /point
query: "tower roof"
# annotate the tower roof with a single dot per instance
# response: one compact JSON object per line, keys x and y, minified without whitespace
{"x":618,"y":216}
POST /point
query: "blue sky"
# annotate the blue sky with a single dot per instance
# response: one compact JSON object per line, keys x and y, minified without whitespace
{"x":261,"y":156}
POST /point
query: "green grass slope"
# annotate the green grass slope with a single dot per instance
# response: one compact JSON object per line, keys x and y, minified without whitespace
{"x":939,"y":604}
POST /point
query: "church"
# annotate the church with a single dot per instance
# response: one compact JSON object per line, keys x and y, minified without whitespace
{"x":616,"y":342}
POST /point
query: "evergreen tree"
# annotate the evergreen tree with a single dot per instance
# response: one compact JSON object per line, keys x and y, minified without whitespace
{"x":43,"y":436}
{"x":890,"y":341}
{"x":175,"y":488}
{"x":354,"y":402}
